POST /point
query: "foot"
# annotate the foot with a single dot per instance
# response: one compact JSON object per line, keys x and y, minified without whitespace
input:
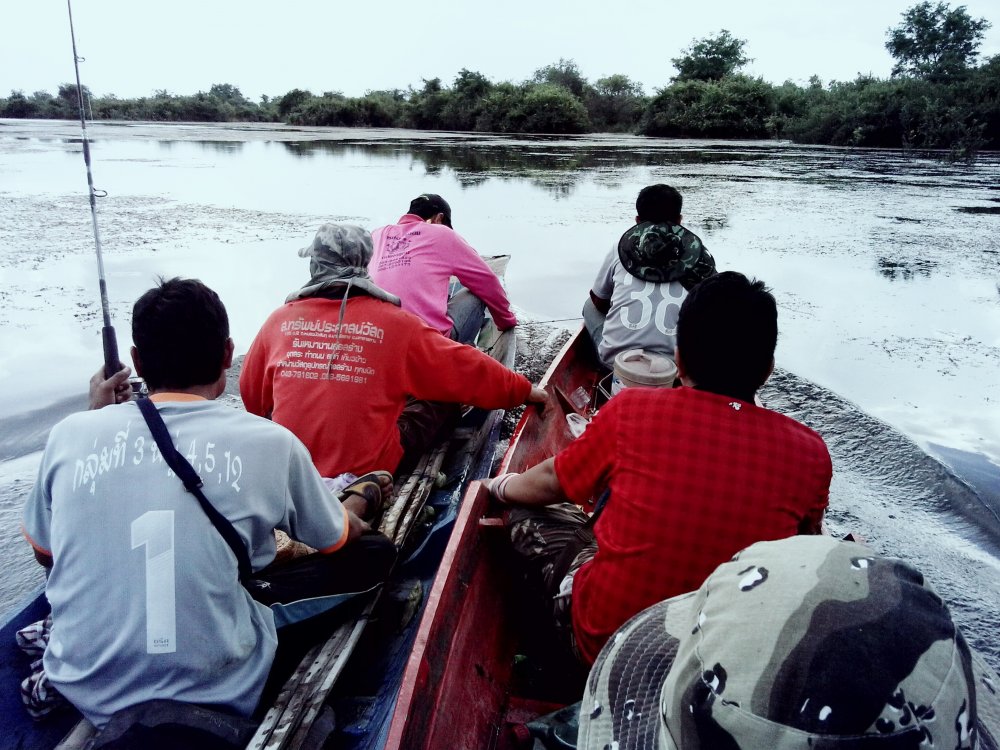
{"x":367,"y":495}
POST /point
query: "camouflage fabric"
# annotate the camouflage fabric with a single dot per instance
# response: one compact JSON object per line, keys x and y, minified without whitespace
{"x":806,"y":642}
{"x":554,"y":545}
{"x":338,"y":262}
{"x":665,"y":252}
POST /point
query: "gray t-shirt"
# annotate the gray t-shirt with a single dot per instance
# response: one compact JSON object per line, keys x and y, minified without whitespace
{"x":146,"y":600}
{"x":643,"y":315}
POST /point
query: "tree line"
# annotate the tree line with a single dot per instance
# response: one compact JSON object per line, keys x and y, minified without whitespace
{"x":937,"y":97}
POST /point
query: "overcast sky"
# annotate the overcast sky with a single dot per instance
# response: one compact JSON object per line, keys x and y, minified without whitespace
{"x":133,"y":47}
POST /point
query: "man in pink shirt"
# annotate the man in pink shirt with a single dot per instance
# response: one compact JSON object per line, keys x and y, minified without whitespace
{"x":416,"y":258}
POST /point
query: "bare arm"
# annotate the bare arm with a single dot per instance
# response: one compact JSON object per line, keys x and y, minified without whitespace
{"x":540,"y":398}
{"x":45,"y":560}
{"x":355,"y":527}
{"x":602,"y":305}
{"x":539,"y":485}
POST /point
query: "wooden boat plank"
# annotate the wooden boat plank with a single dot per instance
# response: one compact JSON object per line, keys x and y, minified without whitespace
{"x":455,"y":690}
{"x":79,"y":736}
{"x":298,"y":702}
{"x":455,"y":616}
{"x":573,"y":372}
{"x":327,"y":670}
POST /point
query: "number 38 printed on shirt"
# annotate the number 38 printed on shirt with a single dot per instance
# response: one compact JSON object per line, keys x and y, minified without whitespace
{"x":653,"y":305}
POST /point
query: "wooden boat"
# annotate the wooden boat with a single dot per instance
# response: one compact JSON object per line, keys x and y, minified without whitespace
{"x":470,"y":682}
{"x":466,"y":684}
{"x":419,"y":518}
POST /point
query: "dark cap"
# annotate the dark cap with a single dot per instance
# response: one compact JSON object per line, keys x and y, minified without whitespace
{"x":430,"y":204}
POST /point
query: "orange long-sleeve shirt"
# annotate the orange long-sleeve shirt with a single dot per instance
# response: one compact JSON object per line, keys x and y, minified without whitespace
{"x":345,"y":410}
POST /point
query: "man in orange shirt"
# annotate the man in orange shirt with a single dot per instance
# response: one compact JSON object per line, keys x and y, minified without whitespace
{"x":340,"y":353}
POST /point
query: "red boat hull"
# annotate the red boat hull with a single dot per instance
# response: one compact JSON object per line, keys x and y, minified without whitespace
{"x":457,"y":688}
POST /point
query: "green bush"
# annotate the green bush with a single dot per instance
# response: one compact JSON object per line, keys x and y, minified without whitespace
{"x":734,"y":107}
{"x":502,"y":110}
{"x":553,"y":109}
{"x":382,"y":109}
{"x":615,"y":104}
{"x":330,"y":110}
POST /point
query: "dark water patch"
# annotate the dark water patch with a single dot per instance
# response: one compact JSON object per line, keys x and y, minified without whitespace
{"x":982,"y":475}
{"x":712,"y":223}
{"x":26,"y":433}
{"x":222,"y":147}
{"x":906,"y":270}
{"x":878,"y":451}
{"x":499,"y":156}
{"x":905,"y":503}
{"x":978,"y":209}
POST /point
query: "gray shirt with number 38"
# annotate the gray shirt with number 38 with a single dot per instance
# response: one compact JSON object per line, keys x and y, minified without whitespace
{"x":643,"y":314}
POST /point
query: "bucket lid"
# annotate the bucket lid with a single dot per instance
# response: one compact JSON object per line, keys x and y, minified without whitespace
{"x":645,"y":368}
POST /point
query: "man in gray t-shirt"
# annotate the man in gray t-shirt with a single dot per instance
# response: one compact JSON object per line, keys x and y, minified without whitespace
{"x":638,"y":292}
{"x":146,"y":599}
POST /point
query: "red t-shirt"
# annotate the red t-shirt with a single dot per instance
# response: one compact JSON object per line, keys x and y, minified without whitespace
{"x":695,"y":477}
{"x":345,"y":411}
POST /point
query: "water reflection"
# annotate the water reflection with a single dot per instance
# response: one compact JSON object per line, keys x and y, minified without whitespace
{"x":558,"y":167}
{"x":223,"y":147}
{"x":905,"y":270}
{"x":218,"y":147}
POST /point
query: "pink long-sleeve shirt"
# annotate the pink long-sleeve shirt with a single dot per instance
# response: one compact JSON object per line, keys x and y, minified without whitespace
{"x":415,"y":261}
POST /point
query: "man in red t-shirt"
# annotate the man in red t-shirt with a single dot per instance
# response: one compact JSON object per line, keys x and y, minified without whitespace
{"x":695,"y":474}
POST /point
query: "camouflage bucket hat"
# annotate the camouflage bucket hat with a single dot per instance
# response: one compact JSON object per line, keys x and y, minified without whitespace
{"x":664,"y":252}
{"x":807,"y":642}
{"x":338,"y":256}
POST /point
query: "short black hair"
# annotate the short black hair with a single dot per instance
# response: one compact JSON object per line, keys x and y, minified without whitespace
{"x":180,"y":328}
{"x":428,"y":205}
{"x":727,"y":330}
{"x":660,"y":204}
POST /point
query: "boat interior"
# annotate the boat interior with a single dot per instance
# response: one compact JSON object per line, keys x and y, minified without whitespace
{"x":486,"y":663}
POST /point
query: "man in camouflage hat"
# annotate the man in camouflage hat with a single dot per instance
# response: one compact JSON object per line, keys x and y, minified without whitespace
{"x":808,"y":643}
{"x":638,"y":292}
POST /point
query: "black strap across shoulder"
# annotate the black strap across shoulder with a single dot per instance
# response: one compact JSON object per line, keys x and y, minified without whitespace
{"x":192,"y":483}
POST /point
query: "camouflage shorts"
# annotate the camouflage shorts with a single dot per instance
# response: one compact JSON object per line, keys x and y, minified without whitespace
{"x":554,"y":543}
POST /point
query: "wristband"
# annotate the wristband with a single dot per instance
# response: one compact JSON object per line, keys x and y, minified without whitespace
{"x":498,"y":486}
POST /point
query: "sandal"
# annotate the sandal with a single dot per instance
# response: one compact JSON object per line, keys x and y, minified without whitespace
{"x":373,"y":487}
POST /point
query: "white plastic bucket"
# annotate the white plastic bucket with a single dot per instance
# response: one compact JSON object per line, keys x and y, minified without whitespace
{"x":639,"y":368}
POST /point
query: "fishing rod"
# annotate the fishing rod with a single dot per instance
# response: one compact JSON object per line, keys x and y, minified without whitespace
{"x":547,"y":322}
{"x":112,"y":363}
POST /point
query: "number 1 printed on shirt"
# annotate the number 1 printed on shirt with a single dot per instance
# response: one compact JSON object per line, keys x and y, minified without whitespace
{"x":154,"y":530}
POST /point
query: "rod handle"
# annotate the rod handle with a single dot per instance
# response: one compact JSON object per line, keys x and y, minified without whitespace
{"x":111,"y":362}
